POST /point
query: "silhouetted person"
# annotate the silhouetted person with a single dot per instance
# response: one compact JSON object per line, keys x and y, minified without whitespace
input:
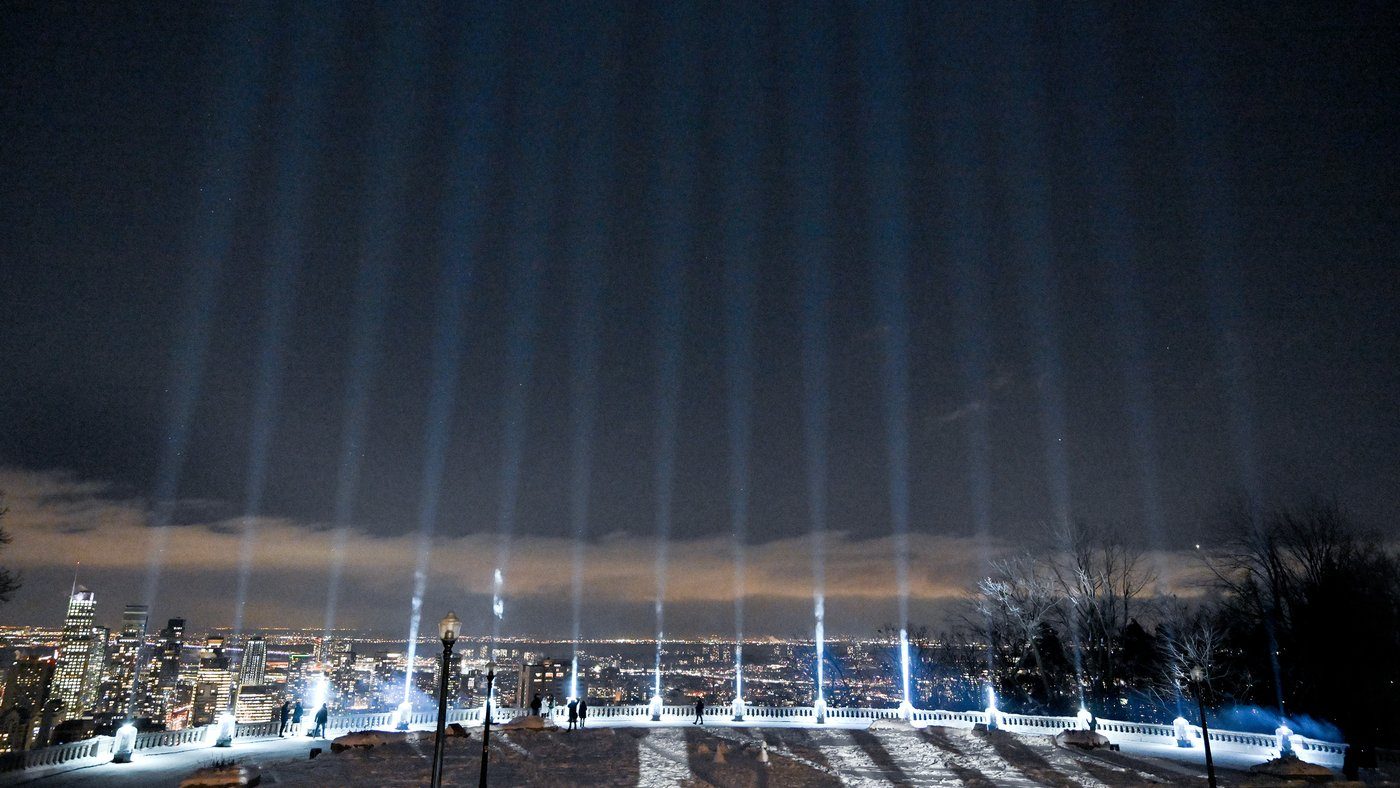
{"x":296,"y":718}
{"x":535,"y":704}
{"x":582,"y":711}
{"x":573,"y":714}
{"x":286,"y":714}
{"x":699,"y":712}
{"x":321,"y":716}
{"x":549,"y":704}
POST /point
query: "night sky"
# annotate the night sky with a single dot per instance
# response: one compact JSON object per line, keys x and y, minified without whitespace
{"x":390,"y":270}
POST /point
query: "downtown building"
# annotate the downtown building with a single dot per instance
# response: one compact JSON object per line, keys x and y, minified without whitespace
{"x":213,"y":685}
{"x":544,"y":678}
{"x":256,"y":703}
{"x":119,"y":698}
{"x":29,"y":711}
{"x":253,"y":670}
{"x":79,"y":656}
{"x":163,"y":698}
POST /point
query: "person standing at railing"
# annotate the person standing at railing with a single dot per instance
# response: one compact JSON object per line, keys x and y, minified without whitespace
{"x":296,"y":719}
{"x":573,"y":714}
{"x":699,"y":712}
{"x":286,"y":714}
{"x":535,"y":704}
{"x":549,"y":704}
{"x":319,"y":732}
{"x":582,"y":712}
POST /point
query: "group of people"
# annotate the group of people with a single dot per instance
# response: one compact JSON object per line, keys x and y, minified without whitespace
{"x":578,"y":715}
{"x":290,"y":716}
{"x":578,"y":709}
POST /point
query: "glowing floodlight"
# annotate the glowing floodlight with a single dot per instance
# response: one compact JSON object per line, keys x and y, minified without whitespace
{"x":228,"y":727}
{"x":1285,"y":740}
{"x":993,"y":715}
{"x":655,"y":708}
{"x":1085,"y":718}
{"x":906,"y":707}
{"x":401,"y":716}
{"x":124,"y":743}
{"x":819,"y":710}
{"x":319,"y":690}
{"x":738,"y":708}
{"x":1182,"y":729}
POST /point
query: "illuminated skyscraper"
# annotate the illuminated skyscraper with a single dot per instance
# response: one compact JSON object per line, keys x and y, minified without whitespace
{"x":29,"y":681}
{"x":214,"y":683}
{"x":256,"y":703}
{"x":172,"y":641}
{"x":121,"y":691}
{"x":28,"y":688}
{"x":72,"y":682}
{"x":96,"y":666}
{"x":254,"y":668}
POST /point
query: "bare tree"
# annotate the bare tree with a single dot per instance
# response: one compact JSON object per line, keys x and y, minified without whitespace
{"x":9,"y":581}
{"x":1102,"y":579}
{"x":1195,"y":639}
{"x":1021,"y":595}
{"x":1312,"y":601}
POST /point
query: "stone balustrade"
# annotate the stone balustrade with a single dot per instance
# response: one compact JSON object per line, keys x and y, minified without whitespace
{"x":1257,"y":745}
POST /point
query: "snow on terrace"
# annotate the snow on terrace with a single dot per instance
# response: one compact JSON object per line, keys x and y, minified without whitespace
{"x":715,"y":756}
{"x":684,"y":756}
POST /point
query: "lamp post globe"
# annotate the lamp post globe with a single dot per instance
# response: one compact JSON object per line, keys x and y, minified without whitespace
{"x":448,"y":630}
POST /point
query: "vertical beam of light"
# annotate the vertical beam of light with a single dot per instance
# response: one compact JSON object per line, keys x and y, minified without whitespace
{"x":1214,"y":207}
{"x":228,"y":148}
{"x":676,"y":116}
{"x":963,"y":228}
{"x":313,"y":35}
{"x":393,"y":123}
{"x":1102,"y":140}
{"x":469,"y":119}
{"x":1108,"y":181}
{"x":904,"y":665}
{"x":1028,"y":193}
{"x":588,"y":240}
{"x":886,"y":133}
{"x":812,"y":144}
{"x":1208,"y":170}
{"x":534,"y":159}
{"x":737,"y":238}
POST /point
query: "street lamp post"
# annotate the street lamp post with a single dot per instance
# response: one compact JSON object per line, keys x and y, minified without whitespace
{"x":448,"y":629}
{"x":486,"y":724}
{"x":1197,"y":676}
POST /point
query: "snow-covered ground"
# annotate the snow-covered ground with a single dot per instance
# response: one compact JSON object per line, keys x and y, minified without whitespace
{"x":684,"y":756}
